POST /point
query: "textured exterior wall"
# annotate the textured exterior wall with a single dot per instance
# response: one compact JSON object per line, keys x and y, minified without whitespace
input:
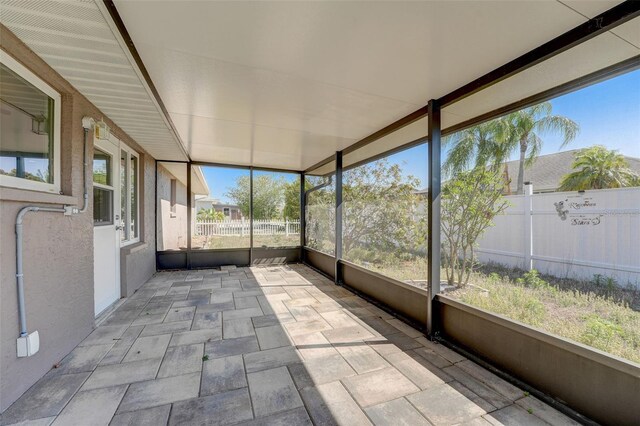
{"x":58,"y":250}
{"x":138,"y":261}
{"x":172,"y":226}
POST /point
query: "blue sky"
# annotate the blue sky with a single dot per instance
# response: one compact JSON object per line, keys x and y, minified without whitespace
{"x":220,"y":178}
{"x":608,"y":114}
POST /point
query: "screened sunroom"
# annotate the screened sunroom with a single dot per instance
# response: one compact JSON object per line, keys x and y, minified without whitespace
{"x":335,"y":212}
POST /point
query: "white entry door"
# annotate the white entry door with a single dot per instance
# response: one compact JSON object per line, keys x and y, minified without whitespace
{"x":106,"y":224}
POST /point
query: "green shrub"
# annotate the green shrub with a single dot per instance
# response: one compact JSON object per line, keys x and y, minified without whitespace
{"x":608,"y":284}
{"x":494,"y":278}
{"x":599,"y":332}
{"x":469,"y":204}
{"x":536,"y":308}
{"x":532,"y":279}
{"x":598,"y":280}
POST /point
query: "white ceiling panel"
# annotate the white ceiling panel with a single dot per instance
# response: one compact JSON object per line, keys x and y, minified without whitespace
{"x":78,"y":40}
{"x":629,"y":31}
{"x":285,"y":84}
{"x":590,"y":8}
{"x":241,"y":144}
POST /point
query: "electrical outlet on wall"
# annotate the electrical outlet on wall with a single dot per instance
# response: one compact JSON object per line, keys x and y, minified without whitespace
{"x":28,"y":345}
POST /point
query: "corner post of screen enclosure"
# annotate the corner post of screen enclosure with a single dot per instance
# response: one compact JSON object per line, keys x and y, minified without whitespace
{"x":303,"y":224}
{"x":189,"y":215}
{"x":250,"y":216}
{"x":433,"y":210}
{"x":338,"y":221}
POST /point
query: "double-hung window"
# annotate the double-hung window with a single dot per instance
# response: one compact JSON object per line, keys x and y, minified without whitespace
{"x":129,"y":195}
{"x":29,"y":129}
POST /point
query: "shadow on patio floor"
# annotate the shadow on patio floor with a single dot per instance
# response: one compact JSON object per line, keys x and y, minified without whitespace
{"x":265,"y":345}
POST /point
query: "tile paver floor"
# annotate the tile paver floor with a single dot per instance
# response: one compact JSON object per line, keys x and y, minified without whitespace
{"x":266,"y":345}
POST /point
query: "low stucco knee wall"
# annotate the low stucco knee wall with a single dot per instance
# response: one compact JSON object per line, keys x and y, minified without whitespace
{"x":406,"y":300}
{"x":597,"y":385}
{"x":320,"y":261}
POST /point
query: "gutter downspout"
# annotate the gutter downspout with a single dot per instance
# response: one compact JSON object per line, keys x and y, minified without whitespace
{"x":317,"y":187}
{"x":29,"y":344}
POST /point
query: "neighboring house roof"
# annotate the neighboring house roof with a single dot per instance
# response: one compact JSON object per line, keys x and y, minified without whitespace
{"x":214,"y":202}
{"x":206,"y":199}
{"x":231,"y":206}
{"x":179,"y":171}
{"x":548,"y":170}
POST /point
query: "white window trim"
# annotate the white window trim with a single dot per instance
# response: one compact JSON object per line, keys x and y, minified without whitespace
{"x":20,"y":183}
{"x":131,"y":153}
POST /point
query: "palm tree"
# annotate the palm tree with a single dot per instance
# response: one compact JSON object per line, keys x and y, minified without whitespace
{"x":492,"y":143}
{"x":210,"y":214}
{"x":598,"y":168}
{"x":524,"y":128}
{"x":477,"y":146}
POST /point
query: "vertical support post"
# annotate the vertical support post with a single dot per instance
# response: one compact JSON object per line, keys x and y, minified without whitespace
{"x":250,"y":216}
{"x":155,"y":209}
{"x":528,"y":226}
{"x":303,"y":212}
{"x":189,"y":218}
{"x":433,"y":245}
{"x":338,"y":232}
{"x":20,"y":166}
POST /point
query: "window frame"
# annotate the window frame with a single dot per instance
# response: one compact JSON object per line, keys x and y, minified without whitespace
{"x":104,"y":147}
{"x":126,"y":221}
{"x":21,"y":183}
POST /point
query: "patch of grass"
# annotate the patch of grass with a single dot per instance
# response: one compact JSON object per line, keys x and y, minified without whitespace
{"x":402,"y":270}
{"x":602,"y":321}
{"x":230,"y":241}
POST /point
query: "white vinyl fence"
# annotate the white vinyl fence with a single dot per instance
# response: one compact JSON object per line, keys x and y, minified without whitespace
{"x":242,"y":227}
{"x":569,"y":234}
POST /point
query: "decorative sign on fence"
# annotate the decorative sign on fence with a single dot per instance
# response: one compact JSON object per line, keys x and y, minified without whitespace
{"x":568,"y":208}
{"x":574,"y":235}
